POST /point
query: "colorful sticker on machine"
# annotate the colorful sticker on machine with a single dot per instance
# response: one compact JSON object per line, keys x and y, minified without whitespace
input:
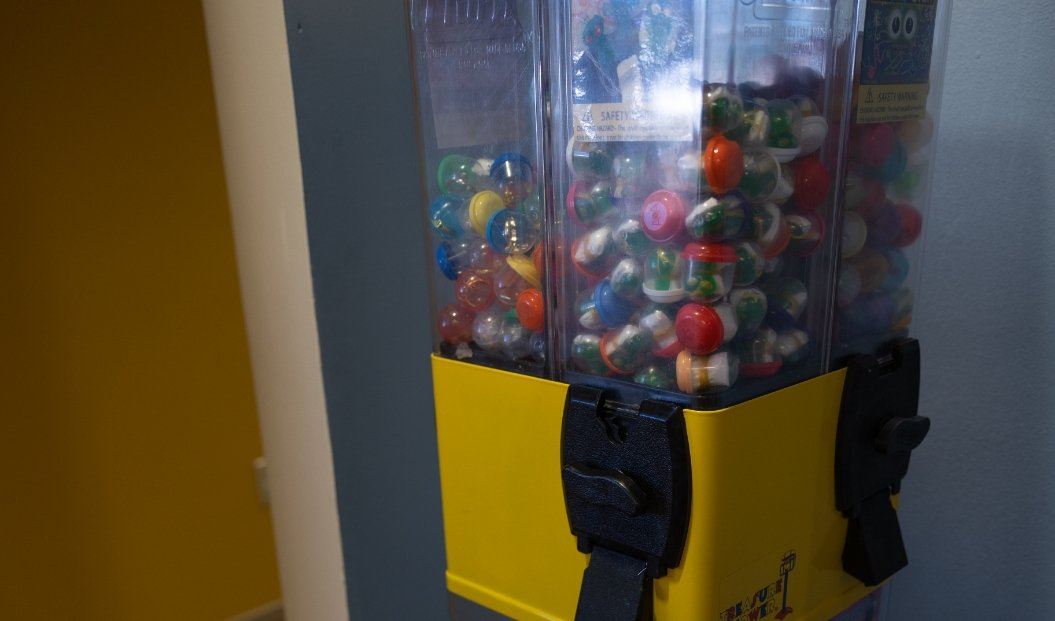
{"x":895,"y":60}
{"x":759,"y":591}
{"x":630,"y":70}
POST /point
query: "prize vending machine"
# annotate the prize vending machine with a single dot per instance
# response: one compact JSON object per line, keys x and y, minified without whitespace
{"x":480,"y":104}
{"x":676,"y":248}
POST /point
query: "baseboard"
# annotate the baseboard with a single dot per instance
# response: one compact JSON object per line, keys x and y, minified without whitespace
{"x":271,"y":611}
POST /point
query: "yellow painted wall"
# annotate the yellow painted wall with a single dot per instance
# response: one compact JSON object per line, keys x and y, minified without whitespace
{"x":127,"y":422}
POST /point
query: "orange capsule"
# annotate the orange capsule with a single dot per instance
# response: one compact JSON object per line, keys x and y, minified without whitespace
{"x":530,"y":309}
{"x":723,"y":163}
{"x":537,"y":256}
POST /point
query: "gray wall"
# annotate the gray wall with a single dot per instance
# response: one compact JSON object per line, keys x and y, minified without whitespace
{"x":980,"y":497}
{"x":355,"y":119}
{"x":979,"y":500}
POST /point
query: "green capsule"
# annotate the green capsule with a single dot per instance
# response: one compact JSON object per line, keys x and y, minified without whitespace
{"x":626,"y":279}
{"x":782,"y":118}
{"x":631,"y":239}
{"x":460,"y":175}
{"x":750,"y":305}
{"x":723,"y":108}
{"x":656,"y":376}
{"x":590,"y":160}
{"x":586,"y":354}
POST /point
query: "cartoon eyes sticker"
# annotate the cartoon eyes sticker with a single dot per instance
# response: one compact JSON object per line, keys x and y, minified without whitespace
{"x":910,"y":24}
{"x":894,"y":23}
{"x":901,"y":26}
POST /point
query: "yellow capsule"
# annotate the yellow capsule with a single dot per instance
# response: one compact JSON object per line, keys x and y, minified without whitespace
{"x":482,"y":206}
{"x":525,"y":267}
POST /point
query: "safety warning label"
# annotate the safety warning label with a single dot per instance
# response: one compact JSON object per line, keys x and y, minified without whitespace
{"x":895,"y":60}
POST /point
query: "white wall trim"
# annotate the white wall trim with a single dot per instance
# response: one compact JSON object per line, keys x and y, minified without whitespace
{"x":254,"y":96}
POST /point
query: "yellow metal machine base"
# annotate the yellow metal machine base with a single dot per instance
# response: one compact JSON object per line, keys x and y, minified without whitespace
{"x":764,"y":540}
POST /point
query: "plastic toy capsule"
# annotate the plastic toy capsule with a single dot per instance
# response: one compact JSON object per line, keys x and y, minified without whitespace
{"x":911,"y":225}
{"x":630,"y":238}
{"x":589,"y":201}
{"x":538,"y":255}
{"x":513,"y":176}
{"x":709,"y":271}
{"x":873,"y":269}
{"x":626,"y":279}
{"x":899,"y":268}
{"x":482,"y":206}
{"x":892,"y":166}
{"x":864,"y":195}
{"x":460,"y":175}
{"x":784,"y":122}
{"x":531,"y":207}
{"x":586,"y":354}
{"x":915,"y":133}
{"x":785,"y":186}
{"x":586,"y":311}
{"x":723,"y":164}
{"x":901,"y":315}
{"x":723,"y":108}
{"x":626,"y":349}
{"x":717,"y":219}
{"x":538,"y":346}
{"x":449,"y":216}
{"x":706,"y":374}
{"x":854,"y":235}
{"x":453,"y":258}
{"x":525,"y":267}
{"x":612,"y":309}
{"x":663,"y":215}
{"x":908,"y":183}
{"x":849,"y":285}
{"x":787,"y":298}
{"x":807,"y":232}
{"x":531,"y":309}
{"x":515,"y":337}
{"x":754,"y":125}
{"x":630,"y":174}
{"x":813,"y":127}
{"x":455,"y":324}
{"x":512,"y":232}
{"x":679,"y":167}
{"x":593,"y":253}
{"x":870,"y":314}
{"x":758,"y":354}
{"x":875,"y":142}
{"x":655,"y":375}
{"x":812,"y":183}
{"x":750,"y":263}
{"x":589,"y":160}
{"x":483,"y":259}
{"x":487,"y":329}
{"x":703,"y":329}
{"x":474,"y":291}
{"x":761,"y":176}
{"x":664,"y":276}
{"x":660,"y":324}
{"x":508,"y":285}
{"x":512,"y":168}
{"x":750,"y":305}
{"x":771,"y":230}
{"x":793,"y":345}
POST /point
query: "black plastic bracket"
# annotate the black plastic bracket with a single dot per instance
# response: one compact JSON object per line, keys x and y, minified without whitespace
{"x":626,"y":490}
{"x":878,"y":428}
